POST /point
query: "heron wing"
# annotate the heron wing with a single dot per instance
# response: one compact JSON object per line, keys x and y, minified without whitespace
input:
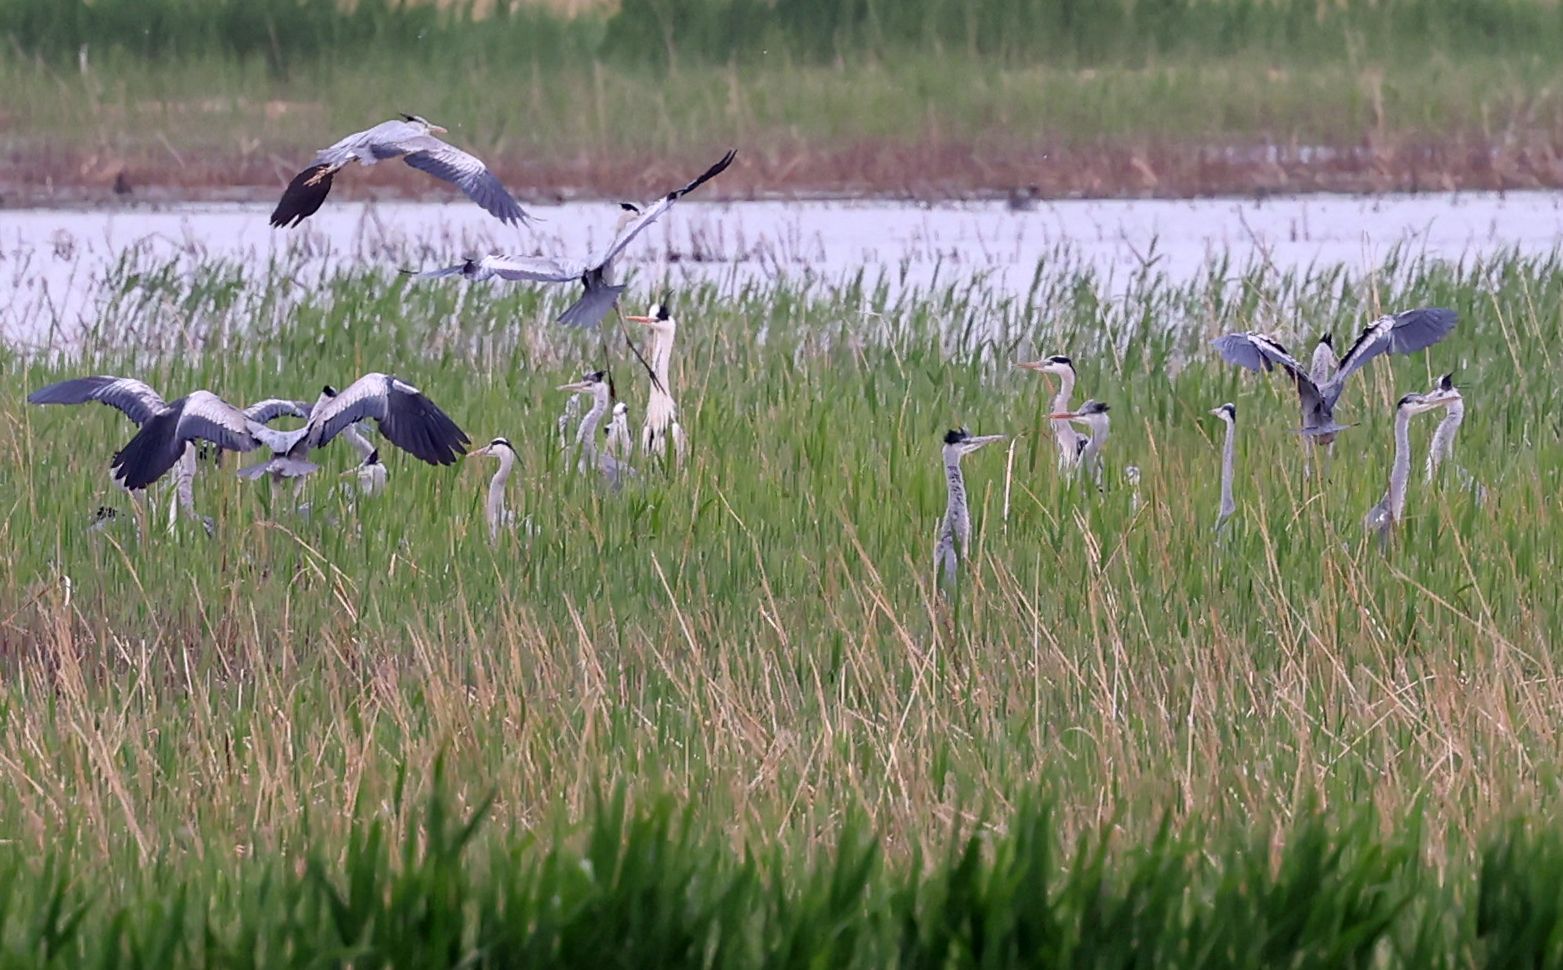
{"x":155,"y":449}
{"x":654,"y":211}
{"x":206,"y":417}
{"x":1405,"y":332}
{"x":272,"y":408}
{"x":135,"y":400}
{"x":405,"y":416}
{"x":536,"y":269}
{"x":459,"y":269}
{"x":1255,"y":351}
{"x":428,"y":154}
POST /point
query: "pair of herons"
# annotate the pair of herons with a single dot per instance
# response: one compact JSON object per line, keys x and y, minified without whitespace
{"x":1319,"y":388}
{"x":411,"y":139}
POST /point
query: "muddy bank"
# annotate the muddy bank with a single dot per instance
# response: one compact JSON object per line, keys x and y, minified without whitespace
{"x":931,"y":171}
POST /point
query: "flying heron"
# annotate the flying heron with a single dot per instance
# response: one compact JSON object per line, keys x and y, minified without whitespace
{"x":1392,"y":507}
{"x":1402,"y":333}
{"x":592,"y":457}
{"x":1228,"y":415}
{"x":411,"y":139}
{"x":498,"y":516}
{"x":955,"y":532}
{"x":595,"y":275}
{"x":142,"y":404}
{"x":404,"y":415}
{"x":661,"y":426}
{"x":1092,"y":414}
{"x":1068,"y":439}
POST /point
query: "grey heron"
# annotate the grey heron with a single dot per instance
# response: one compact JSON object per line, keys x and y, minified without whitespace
{"x":619,"y":443}
{"x":595,"y":275}
{"x":1064,"y":434}
{"x":955,"y":530}
{"x":369,"y":474}
{"x":1324,"y":363}
{"x":592,"y":457}
{"x":1228,"y":415}
{"x":496,"y":513}
{"x":404,"y":415}
{"x":1391,"y":508}
{"x":411,"y":139}
{"x":1401,"y":333}
{"x":661,"y":426}
{"x":1092,"y":414}
{"x":1454,"y":415}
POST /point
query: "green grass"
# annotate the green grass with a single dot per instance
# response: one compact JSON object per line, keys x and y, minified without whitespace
{"x":757,"y":636}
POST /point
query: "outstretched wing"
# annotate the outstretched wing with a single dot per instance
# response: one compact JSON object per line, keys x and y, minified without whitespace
{"x":1257,"y":351}
{"x":272,"y":408}
{"x":535,"y":269}
{"x":135,"y":400}
{"x":405,"y":416}
{"x":200,"y":416}
{"x":428,"y":154}
{"x":1405,"y":332}
{"x":654,"y":211}
{"x":594,"y":302}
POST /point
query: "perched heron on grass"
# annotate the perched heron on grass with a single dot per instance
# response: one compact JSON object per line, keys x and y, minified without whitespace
{"x":498,"y":516}
{"x":411,"y":139}
{"x":1392,"y":507}
{"x":1454,"y":415}
{"x":1092,"y":414}
{"x":1068,"y":439}
{"x":955,"y":531}
{"x":661,"y":427}
{"x":596,"y":275}
{"x":405,"y":417}
{"x":619,"y":442}
{"x":592,"y":457}
{"x":1401,"y":333}
{"x":369,"y":474}
{"x":1228,"y":415}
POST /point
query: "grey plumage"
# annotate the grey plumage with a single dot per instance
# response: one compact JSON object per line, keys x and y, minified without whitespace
{"x":594,"y":458}
{"x":162,"y":440}
{"x":1391,"y":508}
{"x":1094,"y":415}
{"x":955,"y":529}
{"x":1228,"y":415}
{"x":411,"y":139}
{"x":1402,"y":333}
{"x":1068,"y":440}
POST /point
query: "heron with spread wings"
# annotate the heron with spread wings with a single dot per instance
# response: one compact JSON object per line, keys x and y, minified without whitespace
{"x":411,"y":139}
{"x":596,"y":275}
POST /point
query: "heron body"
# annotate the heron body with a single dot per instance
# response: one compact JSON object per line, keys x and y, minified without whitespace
{"x":955,"y":530}
{"x":495,"y":512}
{"x":411,"y":139}
{"x":370,"y":475}
{"x":619,"y":442}
{"x":1324,"y":363}
{"x":1392,"y":507}
{"x":596,"y":275}
{"x":1443,"y":436}
{"x":592,"y":458}
{"x":1092,"y":414}
{"x":1228,"y":415}
{"x":661,"y":428}
{"x":1065,"y":436}
{"x":1401,"y":333}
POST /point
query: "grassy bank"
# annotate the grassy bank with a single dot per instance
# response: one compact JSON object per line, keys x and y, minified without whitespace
{"x":930,"y":98}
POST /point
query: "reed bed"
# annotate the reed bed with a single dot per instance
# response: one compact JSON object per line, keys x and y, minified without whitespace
{"x":756,"y":639}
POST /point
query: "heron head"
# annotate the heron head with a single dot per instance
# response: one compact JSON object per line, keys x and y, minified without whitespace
{"x":424,"y":122}
{"x":963,"y":442}
{"x":1226,"y":412}
{"x":494,"y":448}
{"x":1058,"y":365}
{"x":1091,"y":412}
{"x":586,"y":384}
{"x":659,"y":317}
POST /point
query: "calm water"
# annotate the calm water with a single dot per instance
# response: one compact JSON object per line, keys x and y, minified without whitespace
{"x":53,"y":261}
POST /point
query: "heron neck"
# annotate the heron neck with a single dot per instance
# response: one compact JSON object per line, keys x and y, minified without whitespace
{"x":496,"y":490}
{"x":1401,"y":470}
{"x":1443,"y":437}
{"x":185,"y":478}
{"x":1228,"y":456}
{"x":955,"y":515}
{"x":662,"y":356}
{"x":358,"y":441}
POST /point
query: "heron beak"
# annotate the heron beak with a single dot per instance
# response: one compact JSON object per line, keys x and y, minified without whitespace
{"x":986,"y":439}
{"x":438,"y":129}
{"x":577,"y":386}
{"x":642,"y":319}
{"x":1062,"y":416}
{"x":1035,"y":365}
{"x":482,"y":452}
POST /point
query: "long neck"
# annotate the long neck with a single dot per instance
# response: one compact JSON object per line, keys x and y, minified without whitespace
{"x":358,"y":441}
{"x":496,"y":490}
{"x":662,"y":357}
{"x":1401,"y":470}
{"x":1443,"y":438}
{"x":586,"y":437}
{"x":957,"y":520}
{"x":1228,"y":454}
{"x":1064,"y":432}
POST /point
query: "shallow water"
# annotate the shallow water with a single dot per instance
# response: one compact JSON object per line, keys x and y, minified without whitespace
{"x":53,"y":262}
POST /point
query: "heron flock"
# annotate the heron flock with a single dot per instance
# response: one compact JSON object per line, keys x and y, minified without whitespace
{"x":169,"y":431}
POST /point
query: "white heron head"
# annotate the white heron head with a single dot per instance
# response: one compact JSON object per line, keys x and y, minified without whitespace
{"x":1226,"y":412}
{"x":497,"y":448}
{"x":659,"y":318}
{"x":424,"y":123}
{"x":1092,"y":414}
{"x":593,"y":383}
{"x":1057,"y":365}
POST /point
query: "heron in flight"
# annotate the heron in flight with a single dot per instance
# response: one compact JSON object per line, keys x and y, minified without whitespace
{"x":1069,"y":440}
{"x":955,"y":531}
{"x":1402,"y":333}
{"x":498,"y":516}
{"x":411,"y":139}
{"x":1392,"y":507}
{"x":593,"y":458}
{"x":1092,"y":414}
{"x":195,"y":414}
{"x":595,"y":275}
{"x":404,"y":415}
{"x":661,"y":426}
{"x":1228,"y":415}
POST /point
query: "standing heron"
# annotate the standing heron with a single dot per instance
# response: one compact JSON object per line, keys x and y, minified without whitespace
{"x":619,"y":442}
{"x":1454,"y":415}
{"x":1392,"y":507}
{"x":1092,"y":414}
{"x":1068,"y":439}
{"x":1228,"y":415}
{"x":592,"y":457}
{"x":370,"y":474}
{"x":404,"y":415}
{"x":955,"y":531}
{"x":411,"y":139}
{"x":661,"y":426}
{"x":498,"y":516}
{"x":1401,"y":333}
{"x":596,"y":275}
